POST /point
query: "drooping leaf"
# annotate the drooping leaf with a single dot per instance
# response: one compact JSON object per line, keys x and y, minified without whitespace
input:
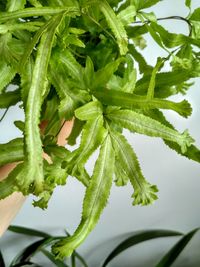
{"x":27,"y":231}
{"x":171,"y":256}
{"x":33,"y":164}
{"x":144,"y":193}
{"x":11,"y":151}
{"x":139,"y":123}
{"x":137,"y":238}
{"x":93,"y":135}
{"x":26,"y":254}
{"x":116,"y":26}
{"x":95,"y":200}
{"x":131,"y":101}
{"x":51,"y":257}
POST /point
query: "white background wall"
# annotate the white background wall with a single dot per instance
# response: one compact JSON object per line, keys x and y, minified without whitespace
{"x":178,"y":180}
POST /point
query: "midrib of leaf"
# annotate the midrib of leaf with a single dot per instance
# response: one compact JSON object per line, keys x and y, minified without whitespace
{"x":129,"y":162}
{"x":127,"y":100}
{"x":41,"y":11}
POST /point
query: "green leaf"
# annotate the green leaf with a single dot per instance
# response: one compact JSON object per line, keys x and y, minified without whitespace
{"x":116,"y":26}
{"x":2,"y":263}
{"x":143,"y":66}
{"x":139,"y":123}
{"x":51,"y":257}
{"x":165,"y":82}
{"x":95,"y":200}
{"x":131,"y":101}
{"x":127,"y":15}
{"x":11,"y":151}
{"x":15,"y":5}
{"x":195,"y":15}
{"x":103,"y":75}
{"x":171,"y":256}
{"x":188,"y":3}
{"x":152,"y":83}
{"x":33,"y":164}
{"x":7,"y":73}
{"x":88,"y":73}
{"x":142,"y":4}
{"x":89,"y":111}
{"x":27,"y":231}
{"x":41,"y":11}
{"x":171,"y":40}
{"x":27,"y":253}
{"x":93,"y":135}
{"x":144,"y":193}
{"x":137,"y":238}
{"x":76,"y":130}
{"x":9,"y":98}
{"x":192,"y":152}
{"x":121,"y":178}
{"x":8,"y":185}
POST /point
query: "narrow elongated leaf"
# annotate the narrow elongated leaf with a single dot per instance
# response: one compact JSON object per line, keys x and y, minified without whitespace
{"x":103,"y":75}
{"x":152,"y":83}
{"x":116,"y":26}
{"x":131,"y":101}
{"x":8,"y":185}
{"x":27,"y":264}
{"x":41,"y":11}
{"x":137,"y":238}
{"x":192,"y":152}
{"x":27,"y":253}
{"x":2,"y":263}
{"x":164,"y":82}
{"x":144,"y":193}
{"x":92,"y":136}
{"x":172,"y":255}
{"x":11,"y":151}
{"x":89,"y":111}
{"x":95,"y":200}
{"x":51,"y":257}
{"x":33,"y":165}
{"x":171,"y":39}
{"x":9,"y":99}
{"x":7,"y":73}
{"x":139,"y":123}
{"x":27,"y":231}
{"x":13,"y":5}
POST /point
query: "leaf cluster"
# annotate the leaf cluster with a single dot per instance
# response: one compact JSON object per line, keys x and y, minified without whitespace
{"x":81,"y":60}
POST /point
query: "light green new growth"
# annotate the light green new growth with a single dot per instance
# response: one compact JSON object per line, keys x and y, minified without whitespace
{"x":95,"y":200}
{"x":82,"y":60}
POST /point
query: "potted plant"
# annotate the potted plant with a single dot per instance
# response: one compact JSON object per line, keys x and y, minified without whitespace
{"x":76,"y":60}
